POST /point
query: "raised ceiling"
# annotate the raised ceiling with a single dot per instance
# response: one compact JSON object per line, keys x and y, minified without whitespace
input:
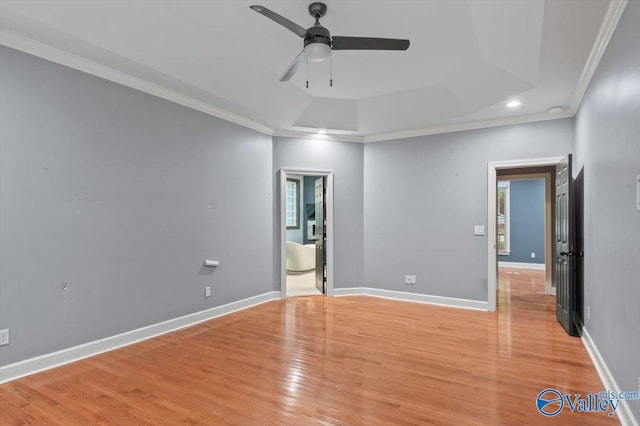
{"x":466,"y":59}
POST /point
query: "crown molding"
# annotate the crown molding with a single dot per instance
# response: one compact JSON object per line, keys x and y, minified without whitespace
{"x":43,"y":50}
{"x":449,"y":128}
{"x":608,"y":26}
{"x":53,"y":54}
{"x":317,"y":136}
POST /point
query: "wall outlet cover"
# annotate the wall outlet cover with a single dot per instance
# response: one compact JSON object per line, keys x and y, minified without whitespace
{"x":478,"y":230}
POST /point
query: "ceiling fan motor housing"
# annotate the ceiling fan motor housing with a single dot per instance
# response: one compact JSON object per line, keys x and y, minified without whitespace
{"x":317,"y":34}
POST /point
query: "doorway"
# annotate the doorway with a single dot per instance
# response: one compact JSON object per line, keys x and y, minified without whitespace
{"x":306,"y":232}
{"x":518,"y":168}
{"x":525,"y":222}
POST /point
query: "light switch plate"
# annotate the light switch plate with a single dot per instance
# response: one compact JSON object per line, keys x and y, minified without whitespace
{"x":4,"y":337}
{"x":478,"y":230}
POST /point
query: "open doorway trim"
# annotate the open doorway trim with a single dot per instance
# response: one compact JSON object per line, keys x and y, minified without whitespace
{"x":284,"y":172}
{"x":492,"y":177}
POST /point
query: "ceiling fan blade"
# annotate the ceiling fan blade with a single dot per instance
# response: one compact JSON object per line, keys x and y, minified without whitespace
{"x":368,"y":43}
{"x":293,"y":67}
{"x":280,"y":20}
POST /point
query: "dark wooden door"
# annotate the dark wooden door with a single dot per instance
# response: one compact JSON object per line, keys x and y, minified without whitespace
{"x":564,"y":247}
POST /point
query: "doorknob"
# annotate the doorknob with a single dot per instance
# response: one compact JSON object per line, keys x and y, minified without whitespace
{"x":567,"y":253}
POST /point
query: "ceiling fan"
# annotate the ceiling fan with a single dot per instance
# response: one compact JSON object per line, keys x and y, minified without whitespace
{"x":318,"y":42}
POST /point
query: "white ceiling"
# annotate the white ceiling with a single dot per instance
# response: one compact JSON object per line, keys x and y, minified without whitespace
{"x":466,"y":59}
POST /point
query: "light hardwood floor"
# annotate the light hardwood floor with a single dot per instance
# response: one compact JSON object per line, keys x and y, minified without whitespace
{"x":318,"y":360}
{"x":302,"y":284}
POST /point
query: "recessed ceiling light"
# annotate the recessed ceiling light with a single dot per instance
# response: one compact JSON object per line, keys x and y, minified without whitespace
{"x":322,"y":131}
{"x":555,"y":109}
{"x":514,"y":104}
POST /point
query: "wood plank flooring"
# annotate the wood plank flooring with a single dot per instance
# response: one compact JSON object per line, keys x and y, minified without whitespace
{"x":317,"y":360}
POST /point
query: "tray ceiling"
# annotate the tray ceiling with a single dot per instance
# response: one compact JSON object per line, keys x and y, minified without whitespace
{"x":467,"y":59}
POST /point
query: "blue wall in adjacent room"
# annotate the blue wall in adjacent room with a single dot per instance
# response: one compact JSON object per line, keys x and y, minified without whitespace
{"x":527,"y":221}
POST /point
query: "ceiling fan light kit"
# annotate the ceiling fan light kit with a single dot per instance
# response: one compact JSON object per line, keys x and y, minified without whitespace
{"x":317,"y":52}
{"x":318,"y":43}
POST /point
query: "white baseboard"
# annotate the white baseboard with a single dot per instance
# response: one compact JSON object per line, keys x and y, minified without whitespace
{"x":75,"y":353}
{"x":412,"y":297}
{"x":608,"y":381}
{"x":522,"y":265}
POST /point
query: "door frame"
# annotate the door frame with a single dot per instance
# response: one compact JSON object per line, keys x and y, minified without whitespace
{"x":492,"y":181}
{"x":284,"y":172}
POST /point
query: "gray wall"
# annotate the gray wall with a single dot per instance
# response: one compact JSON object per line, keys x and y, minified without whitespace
{"x":124,"y":195}
{"x":346,"y":161}
{"x":526,"y":215}
{"x":608,"y":151}
{"x":423,"y":196}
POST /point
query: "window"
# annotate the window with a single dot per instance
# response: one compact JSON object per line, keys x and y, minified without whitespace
{"x":503,"y":218}
{"x":293,"y":204}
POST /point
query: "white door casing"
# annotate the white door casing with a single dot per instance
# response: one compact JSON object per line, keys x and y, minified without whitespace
{"x":284,"y":172}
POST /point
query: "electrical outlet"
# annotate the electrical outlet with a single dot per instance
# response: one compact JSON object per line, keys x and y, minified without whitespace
{"x":207,"y":291}
{"x":407,"y":279}
{"x":533,"y":255}
{"x":4,"y":337}
{"x":413,"y":279}
{"x":588,"y":312}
